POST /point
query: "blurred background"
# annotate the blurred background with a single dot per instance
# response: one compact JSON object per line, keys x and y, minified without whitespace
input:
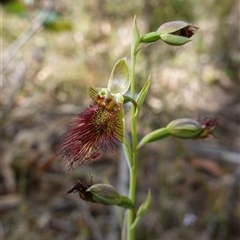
{"x":52,"y":52}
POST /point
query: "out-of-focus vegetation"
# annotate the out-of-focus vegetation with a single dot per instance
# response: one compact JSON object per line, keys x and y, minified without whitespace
{"x":52,"y":52}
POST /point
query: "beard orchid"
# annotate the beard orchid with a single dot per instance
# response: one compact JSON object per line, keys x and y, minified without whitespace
{"x":101,"y":126}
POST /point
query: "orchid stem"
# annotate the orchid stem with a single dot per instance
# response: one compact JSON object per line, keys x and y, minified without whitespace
{"x":133,"y":166}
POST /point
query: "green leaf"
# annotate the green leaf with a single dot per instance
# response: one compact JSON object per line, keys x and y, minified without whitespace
{"x":135,"y":37}
{"x":154,"y":136}
{"x":142,"y":210}
{"x":142,"y":95}
{"x":119,"y":80}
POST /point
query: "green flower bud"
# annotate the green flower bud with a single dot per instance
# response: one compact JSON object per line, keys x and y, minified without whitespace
{"x":108,"y":195}
{"x":105,"y":194}
{"x":150,"y":37}
{"x":101,"y":193}
{"x":184,"y":128}
{"x":190,"y":128}
{"x":176,"y":32}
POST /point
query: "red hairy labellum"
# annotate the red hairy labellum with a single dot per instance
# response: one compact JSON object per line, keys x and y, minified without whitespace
{"x":92,"y":131}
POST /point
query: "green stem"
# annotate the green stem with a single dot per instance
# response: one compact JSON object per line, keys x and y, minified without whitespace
{"x":128,"y":152}
{"x":133,"y":167}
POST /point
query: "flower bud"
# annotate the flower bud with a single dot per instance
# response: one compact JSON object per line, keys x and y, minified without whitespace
{"x":176,"y":32}
{"x":108,"y":195}
{"x":150,"y":37}
{"x":190,"y":128}
{"x":101,"y":193}
{"x":184,"y":128}
{"x":105,"y":194}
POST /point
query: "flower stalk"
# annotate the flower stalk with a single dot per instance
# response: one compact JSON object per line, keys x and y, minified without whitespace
{"x":133,"y":166}
{"x":101,"y":126}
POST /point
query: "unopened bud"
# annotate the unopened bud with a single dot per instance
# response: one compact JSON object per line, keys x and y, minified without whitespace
{"x":184,"y":128}
{"x":101,"y":193}
{"x":176,"y":32}
{"x":105,"y":194}
{"x":190,"y":128}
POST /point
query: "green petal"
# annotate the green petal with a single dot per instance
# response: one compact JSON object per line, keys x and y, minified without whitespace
{"x":93,"y":92}
{"x":119,"y":80}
